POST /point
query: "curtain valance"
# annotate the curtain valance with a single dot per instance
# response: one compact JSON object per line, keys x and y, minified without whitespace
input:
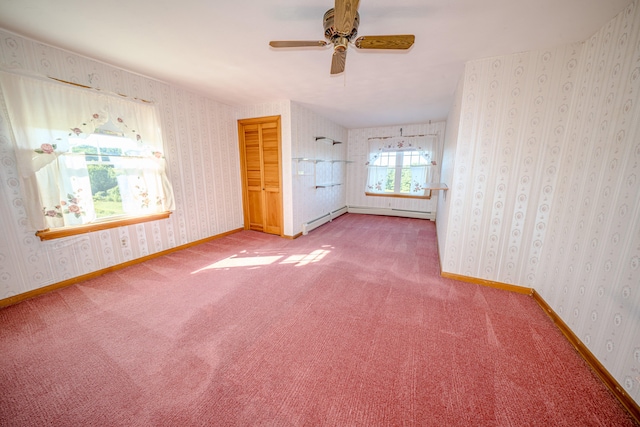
{"x":422,"y":144}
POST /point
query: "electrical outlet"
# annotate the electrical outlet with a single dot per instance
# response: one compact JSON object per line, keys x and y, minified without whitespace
{"x":124,"y":242}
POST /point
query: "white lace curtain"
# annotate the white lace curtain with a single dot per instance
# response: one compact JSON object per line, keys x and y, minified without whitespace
{"x":44,"y":115}
{"x":378,"y":174}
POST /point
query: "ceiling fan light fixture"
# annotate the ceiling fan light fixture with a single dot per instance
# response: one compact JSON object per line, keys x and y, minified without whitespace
{"x":340,"y":28}
{"x":340,"y":43}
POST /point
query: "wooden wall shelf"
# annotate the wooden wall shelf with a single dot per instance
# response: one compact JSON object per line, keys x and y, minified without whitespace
{"x":435,"y":186}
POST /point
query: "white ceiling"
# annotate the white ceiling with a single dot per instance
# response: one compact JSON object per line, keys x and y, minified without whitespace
{"x":221,"y":47}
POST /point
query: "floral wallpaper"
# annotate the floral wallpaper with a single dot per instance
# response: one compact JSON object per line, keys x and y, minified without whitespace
{"x":543,"y":180}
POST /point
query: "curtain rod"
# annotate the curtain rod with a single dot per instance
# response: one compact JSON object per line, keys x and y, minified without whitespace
{"x":402,"y":136}
{"x":104,"y":155}
{"x":44,"y":77}
{"x":99,"y":90}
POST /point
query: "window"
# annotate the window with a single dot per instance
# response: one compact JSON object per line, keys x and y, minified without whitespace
{"x":86,"y":158}
{"x":115,"y":171}
{"x":398,"y":168}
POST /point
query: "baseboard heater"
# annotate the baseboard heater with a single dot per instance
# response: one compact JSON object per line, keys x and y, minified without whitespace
{"x":308,"y":226}
{"x":392,"y":212}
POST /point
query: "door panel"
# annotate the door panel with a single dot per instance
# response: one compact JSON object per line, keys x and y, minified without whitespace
{"x":256,"y":214}
{"x":274,"y":213}
{"x":262,"y":187}
{"x":271,"y":158}
{"x":271,"y":174}
{"x":252,"y":156}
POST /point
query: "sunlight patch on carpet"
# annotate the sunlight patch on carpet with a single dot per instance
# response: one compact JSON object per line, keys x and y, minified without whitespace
{"x":304,"y":259}
{"x":235,"y":261}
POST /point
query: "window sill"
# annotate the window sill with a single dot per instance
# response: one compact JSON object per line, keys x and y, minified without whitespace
{"x":57,"y":233}
{"x":402,"y":196}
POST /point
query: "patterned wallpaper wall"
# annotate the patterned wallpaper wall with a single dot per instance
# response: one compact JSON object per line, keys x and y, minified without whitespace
{"x":545,"y":192}
{"x":512,"y":120}
{"x":590,"y":264}
{"x":358,"y":152}
{"x":447,"y":170}
{"x":311,"y":202}
{"x":200,"y":138}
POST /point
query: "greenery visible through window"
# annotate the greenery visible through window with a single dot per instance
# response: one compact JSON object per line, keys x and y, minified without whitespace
{"x":103,"y":156}
{"x":107,"y":200}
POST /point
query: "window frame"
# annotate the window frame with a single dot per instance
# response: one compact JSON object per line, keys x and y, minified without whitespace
{"x":104,"y":223}
{"x":74,"y":230}
{"x":398,"y":156}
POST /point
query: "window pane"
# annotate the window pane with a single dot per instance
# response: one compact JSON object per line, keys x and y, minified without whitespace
{"x":405,"y":185}
{"x":392,"y":159}
{"x":386,"y":159}
{"x":103,"y":154}
{"x":391,"y":179}
{"x":107,"y":200}
{"x":87,"y":149}
{"x":109,"y":150}
{"x":413,"y":158}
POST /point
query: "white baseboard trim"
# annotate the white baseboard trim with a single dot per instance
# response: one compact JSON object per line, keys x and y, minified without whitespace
{"x":328,"y":217}
{"x":392,"y":212}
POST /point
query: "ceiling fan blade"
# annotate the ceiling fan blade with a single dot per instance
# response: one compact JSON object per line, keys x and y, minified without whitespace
{"x":338,"y":61}
{"x":345,"y":15}
{"x":385,"y":42}
{"x":298,"y":43}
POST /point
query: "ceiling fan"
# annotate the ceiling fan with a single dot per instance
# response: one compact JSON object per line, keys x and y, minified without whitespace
{"x":340,"y":28}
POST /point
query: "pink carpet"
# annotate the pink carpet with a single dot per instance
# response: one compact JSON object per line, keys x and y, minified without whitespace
{"x":348,"y":326}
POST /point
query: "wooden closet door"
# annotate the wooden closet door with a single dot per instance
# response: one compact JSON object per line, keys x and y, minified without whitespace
{"x":271,"y":177}
{"x":260,"y":151}
{"x":254,"y":212}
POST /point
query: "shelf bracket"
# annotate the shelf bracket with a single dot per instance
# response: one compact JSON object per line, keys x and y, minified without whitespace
{"x":333,"y":141}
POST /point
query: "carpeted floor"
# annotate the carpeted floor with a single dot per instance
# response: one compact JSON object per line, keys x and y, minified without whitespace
{"x":349,"y":326}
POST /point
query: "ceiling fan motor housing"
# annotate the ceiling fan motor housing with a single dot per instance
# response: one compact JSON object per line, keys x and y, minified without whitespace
{"x":330,"y":32}
{"x":342,"y":29}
